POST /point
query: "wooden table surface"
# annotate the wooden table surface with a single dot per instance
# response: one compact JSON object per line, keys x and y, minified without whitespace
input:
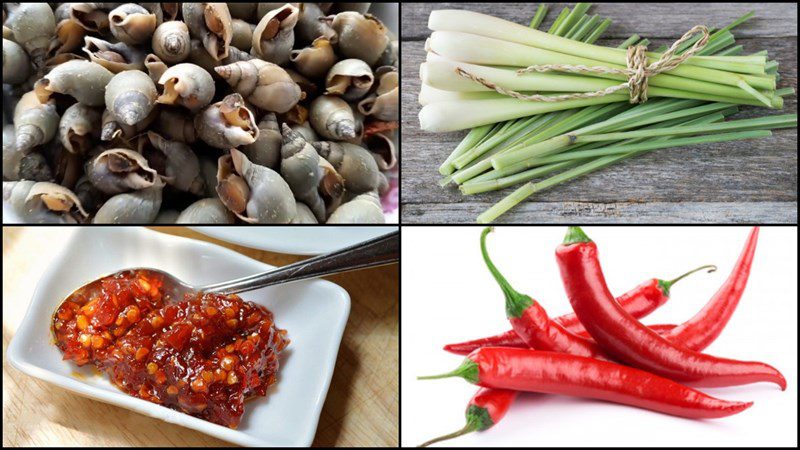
{"x":745,"y":181}
{"x":361,"y":408}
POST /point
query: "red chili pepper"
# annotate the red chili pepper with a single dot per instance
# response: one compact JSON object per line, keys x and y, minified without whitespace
{"x":696,"y":333}
{"x":511,"y":339}
{"x":529,"y":319}
{"x":484,"y":410}
{"x":628,"y":340}
{"x":559,"y":373}
{"x":701,"y":330}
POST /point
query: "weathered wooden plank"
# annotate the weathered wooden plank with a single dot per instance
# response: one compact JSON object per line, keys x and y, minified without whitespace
{"x":614,"y":213}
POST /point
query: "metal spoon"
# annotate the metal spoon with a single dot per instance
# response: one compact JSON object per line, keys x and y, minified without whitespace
{"x":379,"y":251}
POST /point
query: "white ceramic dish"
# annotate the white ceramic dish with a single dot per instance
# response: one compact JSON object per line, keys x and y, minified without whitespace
{"x":314,"y":313}
{"x":295,"y":240}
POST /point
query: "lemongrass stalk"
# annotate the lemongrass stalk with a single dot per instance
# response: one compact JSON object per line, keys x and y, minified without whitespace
{"x":563,"y":122}
{"x":646,"y":123}
{"x":495,"y":180}
{"x":515,"y":127}
{"x":738,"y":50}
{"x":726,"y":40}
{"x":501,"y":139}
{"x":576,"y":27}
{"x":429,"y":94}
{"x":479,"y":187}
{"x":618,"y":149}
{"x":572,"y":19}
{"x":598,"y":31}
{"x":476,"y":167}
{"x":538,"y":18}
{"x":743,"y":125}
{"x":473,"y":137}
{"x":485,"y":25}
{"x":488,"y":51}
{"x":559,"y":19}
{"x":772,"y":67}
{"x":576,"y":121}
{"x":587,"y":28}
{"x":630,"y":41}
{"x":530,"y":189}
{"x":460,"y":115}
{"x":641,"y":115}
{"x":474,"y":172}
{"x":440,"y":72}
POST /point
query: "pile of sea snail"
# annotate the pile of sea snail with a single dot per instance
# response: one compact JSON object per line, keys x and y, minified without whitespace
{"x":198,"y":112}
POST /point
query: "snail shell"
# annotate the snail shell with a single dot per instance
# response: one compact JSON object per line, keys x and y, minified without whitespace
{"x":84,"y":80}
{"x":79,"y":128}
{"x":273,"y":38}
{"x":381,"y":145}
{"x":182,"y":167}
{"x":171,"y":42}
{"x":310,"y":28}
{"x":315,"y":61}
{"x":361,"y":37}
{"x":256,"y":194}
{"x":187,"y":85}
{"x":34,"y":123}
{"x":211,"y":23}
{"x":69,"y":33}
{"x":350,"y":78}
{"x":118,"y":170}
{"x":354,"y":163}
{"x":365,"y":208}
{"x":332,"y":118}
{"x":132,"y":24}
{"x":114,"y":57}
{"x":263,"y":84}
{"x":131,"y":96}
{"x":300,"y":168}
{"x":92,"y":16}
{"x":228,"y":123}
{"x":383,"y":104}
{"x":135,"y":207}
{"x":242,"y":35}
{"x":16,"y":64}
{"x":206,"y":211}
{"x":33,"y":25}
{"x":266,"y":150}
{"x":303,"y":214}
{"x":176,"y":126}
{"x":42,"y":202}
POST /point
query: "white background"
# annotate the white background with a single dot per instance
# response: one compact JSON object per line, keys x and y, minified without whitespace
{"x":449,"y":296}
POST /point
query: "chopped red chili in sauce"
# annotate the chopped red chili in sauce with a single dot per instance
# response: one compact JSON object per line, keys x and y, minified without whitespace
{"x":203,"y":355}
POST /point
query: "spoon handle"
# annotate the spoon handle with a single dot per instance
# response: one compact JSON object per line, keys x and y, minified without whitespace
{"x":375,"y":252}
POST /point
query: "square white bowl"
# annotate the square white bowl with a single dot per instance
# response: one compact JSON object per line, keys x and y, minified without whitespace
{"x":314,"y":312}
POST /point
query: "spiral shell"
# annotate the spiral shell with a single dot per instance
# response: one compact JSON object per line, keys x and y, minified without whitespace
{"x":263,"y":84}
{"x":131,"y":96}
{"x":187,"y":85}
{"x":171,"y":42}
